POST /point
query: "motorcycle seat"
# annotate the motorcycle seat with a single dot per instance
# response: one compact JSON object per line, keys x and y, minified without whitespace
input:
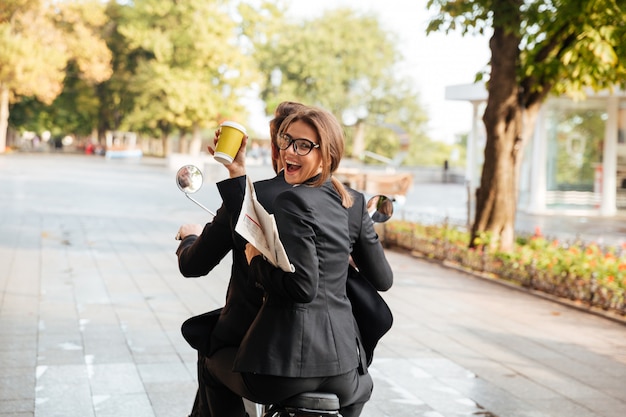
{"x":313,"y":402}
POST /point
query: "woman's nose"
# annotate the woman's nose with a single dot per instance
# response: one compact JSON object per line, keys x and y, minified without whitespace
{"x":292,"y":148}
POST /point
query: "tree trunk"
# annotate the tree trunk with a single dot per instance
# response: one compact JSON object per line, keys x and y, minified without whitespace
{"x":165,"y":141}
{"x":183,"y":144}
{"x":196,"y":141}
{"x":4,"y":116}
{"x":496,"y":199}
{"x":358,"y":144}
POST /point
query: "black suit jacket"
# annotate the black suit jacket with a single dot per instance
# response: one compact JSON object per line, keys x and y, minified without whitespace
{"x":372,"y":274}
{"x":366,"y":250}
{"x":198,"y":255}
{"x":305,"y":327}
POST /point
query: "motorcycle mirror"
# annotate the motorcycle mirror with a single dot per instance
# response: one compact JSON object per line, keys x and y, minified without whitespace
{"x":380,"y":208}
{"x":189,"y":180}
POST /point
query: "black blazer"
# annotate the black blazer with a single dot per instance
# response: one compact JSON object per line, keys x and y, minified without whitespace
{"x":198,"y":255}
{"x":305,"y":327}
{"x":372,"y":274}
{"x":366,"y":250}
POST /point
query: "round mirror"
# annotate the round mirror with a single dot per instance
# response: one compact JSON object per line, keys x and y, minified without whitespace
{"x":189,"y":179}
{"x":380,"y":208}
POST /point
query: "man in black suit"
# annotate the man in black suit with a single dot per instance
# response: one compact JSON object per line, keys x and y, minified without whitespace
{"x":199,"y":252}
{"x":304,"y":337}
{"x":201,"y":249}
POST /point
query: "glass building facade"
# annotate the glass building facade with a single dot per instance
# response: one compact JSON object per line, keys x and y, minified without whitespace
{"x":576,"y":161}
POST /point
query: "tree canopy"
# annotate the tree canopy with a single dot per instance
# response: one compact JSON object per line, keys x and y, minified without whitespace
{"x":39,"y":41}
{"x":191,"y":71}
{"x":176,"y":68}
{"x":343,"y":61}
{"x":538,"y":47}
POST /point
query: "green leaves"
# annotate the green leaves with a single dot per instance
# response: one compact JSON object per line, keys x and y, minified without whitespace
{"x":171,"y":66}
{"x":565,"y":45}
{"x":538,"y":48}
{"x":191,"y":67}
{"x":41,"y":43}
{"x":343,"y":61}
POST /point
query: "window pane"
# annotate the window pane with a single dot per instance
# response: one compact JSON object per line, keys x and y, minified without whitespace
{"x":575,"y":142}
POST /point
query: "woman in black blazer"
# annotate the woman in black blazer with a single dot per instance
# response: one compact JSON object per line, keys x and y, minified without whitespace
{"x":201,"y":250}
{"x":304,"y":337}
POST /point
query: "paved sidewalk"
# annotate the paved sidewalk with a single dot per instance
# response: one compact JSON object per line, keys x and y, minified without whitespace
{"x":91,"y":303}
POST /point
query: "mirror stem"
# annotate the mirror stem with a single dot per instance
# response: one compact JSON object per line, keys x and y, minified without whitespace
{"x":206,"y":209}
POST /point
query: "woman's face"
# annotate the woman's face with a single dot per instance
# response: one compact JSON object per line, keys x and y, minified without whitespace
{"x":299,"y":168}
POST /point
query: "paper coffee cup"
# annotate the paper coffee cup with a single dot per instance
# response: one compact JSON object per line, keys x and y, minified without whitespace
{"x":229,"y":142}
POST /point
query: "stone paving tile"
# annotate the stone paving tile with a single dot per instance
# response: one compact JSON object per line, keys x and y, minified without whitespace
{"x":63,"y":390}
{"x":138,"y":404}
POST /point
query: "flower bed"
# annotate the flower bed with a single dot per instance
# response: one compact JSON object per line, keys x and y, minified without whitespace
{"x":585,"y":273}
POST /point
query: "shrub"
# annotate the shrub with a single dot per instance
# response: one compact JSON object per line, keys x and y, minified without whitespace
{"x":584,"y":272}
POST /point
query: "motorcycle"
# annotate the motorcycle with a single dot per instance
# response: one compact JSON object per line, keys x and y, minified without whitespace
{"x":189,"y":180}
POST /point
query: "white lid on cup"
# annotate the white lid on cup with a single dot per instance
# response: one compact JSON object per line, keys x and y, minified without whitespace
{"x":235,"y":125}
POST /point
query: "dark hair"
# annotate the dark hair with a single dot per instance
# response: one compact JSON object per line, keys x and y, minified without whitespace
{"x":283,"y":110}
{"x":331,"y":141}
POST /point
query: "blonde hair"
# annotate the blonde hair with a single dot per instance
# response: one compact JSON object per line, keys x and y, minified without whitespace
{"x":331,"y":141}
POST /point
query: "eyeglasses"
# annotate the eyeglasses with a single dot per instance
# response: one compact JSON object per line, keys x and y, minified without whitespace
{"x":301,"y":147}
